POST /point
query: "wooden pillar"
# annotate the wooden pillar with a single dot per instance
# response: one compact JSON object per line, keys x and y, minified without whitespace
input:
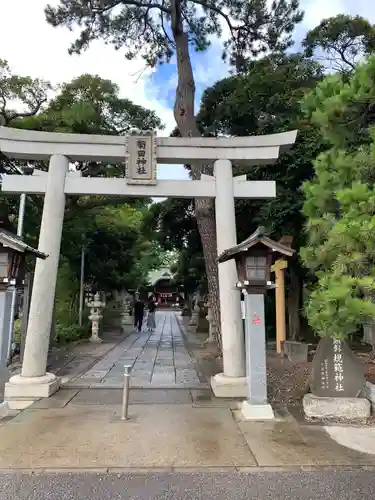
{"x":278,"y":269}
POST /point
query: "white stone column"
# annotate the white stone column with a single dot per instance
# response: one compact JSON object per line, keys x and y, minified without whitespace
{"x":232,"y":382}
{"x":34,"y":382}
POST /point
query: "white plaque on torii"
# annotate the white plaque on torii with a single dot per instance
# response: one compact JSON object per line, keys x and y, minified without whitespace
{"x":140,"y":158}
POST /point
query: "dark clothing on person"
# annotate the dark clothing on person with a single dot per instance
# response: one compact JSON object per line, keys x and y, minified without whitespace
{"x":151,"y":306}
{"x":139,"y":309}
{"x":151,"y":321}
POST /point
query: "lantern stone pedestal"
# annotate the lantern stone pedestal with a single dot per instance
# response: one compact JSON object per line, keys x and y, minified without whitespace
{"x":211,"y":327}
{"x":5,"y":311}
{"x":256,"y":407}
{"x":193,"y":323}
{"x":126,"y":319}
{"x":96,"y":306}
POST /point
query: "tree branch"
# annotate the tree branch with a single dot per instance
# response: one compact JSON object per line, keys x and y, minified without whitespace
{"x":32,"y":112}
{"x":209,"y":6}
{"x":163,"y":27}
{"x":135,"y":3}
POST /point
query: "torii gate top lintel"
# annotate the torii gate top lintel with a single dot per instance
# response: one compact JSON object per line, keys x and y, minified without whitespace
{"x":36,"y":145}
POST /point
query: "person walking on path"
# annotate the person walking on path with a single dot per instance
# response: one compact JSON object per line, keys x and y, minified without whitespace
{"x":151,"y":306}
{"x":139,"y":310}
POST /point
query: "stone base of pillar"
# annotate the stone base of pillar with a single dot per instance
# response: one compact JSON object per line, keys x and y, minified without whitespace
{"x":96,"y":340}
{"x":4,"y":409}
{"x":209,"y":340}
{"x":256,"y":412}
{"x":229,"y":387}
{"x":194,"y":320}
{"x":21,"y":392}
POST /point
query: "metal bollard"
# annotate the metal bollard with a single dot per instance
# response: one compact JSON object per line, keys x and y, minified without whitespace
{"x":125,"y":394}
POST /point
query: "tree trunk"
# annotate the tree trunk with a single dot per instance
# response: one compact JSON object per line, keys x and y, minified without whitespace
{"x":294,"y":305}
{"x":187,"y":124}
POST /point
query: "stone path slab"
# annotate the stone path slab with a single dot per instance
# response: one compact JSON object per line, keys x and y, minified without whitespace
{"x":158,"y":359}
{"x":136,"y":396}
{"x":155,"y":436}
{"x":285,"y":443}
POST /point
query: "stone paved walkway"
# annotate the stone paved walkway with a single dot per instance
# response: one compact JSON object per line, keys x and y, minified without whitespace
{"x":159,"y":359}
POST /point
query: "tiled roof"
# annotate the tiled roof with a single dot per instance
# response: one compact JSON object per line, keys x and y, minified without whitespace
{"x":13,"y":241}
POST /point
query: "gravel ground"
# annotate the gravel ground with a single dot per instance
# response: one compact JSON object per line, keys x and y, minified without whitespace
{"x":303,"y":485}
{"x":287,"y":382}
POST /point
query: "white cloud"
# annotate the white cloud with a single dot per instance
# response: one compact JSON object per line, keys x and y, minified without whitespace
{"x":316,"y":10}
{"x":43,"y":53}
{"x":34,"y":48}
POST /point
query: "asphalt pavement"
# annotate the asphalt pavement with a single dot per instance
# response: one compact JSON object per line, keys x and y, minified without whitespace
{"x":296,"y":485}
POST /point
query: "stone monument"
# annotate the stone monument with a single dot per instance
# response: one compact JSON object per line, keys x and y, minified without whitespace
{"x":336,"y":372}
{"x":336,"y":382}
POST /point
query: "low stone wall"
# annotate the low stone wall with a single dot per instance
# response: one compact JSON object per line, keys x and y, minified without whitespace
{"x":369,"y":393}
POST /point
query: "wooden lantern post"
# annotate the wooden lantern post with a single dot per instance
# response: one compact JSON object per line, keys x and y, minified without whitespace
{"x":279,"y":269}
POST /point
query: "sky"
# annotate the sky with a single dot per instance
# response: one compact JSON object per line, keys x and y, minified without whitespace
{"x":34,"y":48}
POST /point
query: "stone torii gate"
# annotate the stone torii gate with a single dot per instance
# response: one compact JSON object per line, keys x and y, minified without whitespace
{"x":140,"y":152}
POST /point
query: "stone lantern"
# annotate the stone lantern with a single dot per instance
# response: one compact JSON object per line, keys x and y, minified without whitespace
{"x":211,"y":326}
{"x":126,"y":319}
{"x":13,"y":251}
{"x":254,"y":258}
{"x":96,"y":306}
{"x":194,"y":320}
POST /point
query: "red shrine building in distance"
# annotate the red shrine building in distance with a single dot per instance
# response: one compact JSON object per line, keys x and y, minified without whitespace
{"x":162,"y":287}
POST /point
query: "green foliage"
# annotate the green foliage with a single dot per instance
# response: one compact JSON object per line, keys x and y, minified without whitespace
{"x":266,"y":100}
{"x":17,"y":332}
{"x":118,"y":253}
{"x":262,"y":100}
{"x":341,"y":41}
{"x":175,"y":227}
{"x":336,"y":308}
{"x":90,"y":104}
{"x":15,"y":89}
{"x":340,"y":205}
{"x":66,"y":333}
{"x":150,"y":28}
{"x":344,"y":112}
{"x":20,"y":97}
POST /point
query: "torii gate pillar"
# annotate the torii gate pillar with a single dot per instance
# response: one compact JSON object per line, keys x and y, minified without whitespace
{"x":232,"y":382}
